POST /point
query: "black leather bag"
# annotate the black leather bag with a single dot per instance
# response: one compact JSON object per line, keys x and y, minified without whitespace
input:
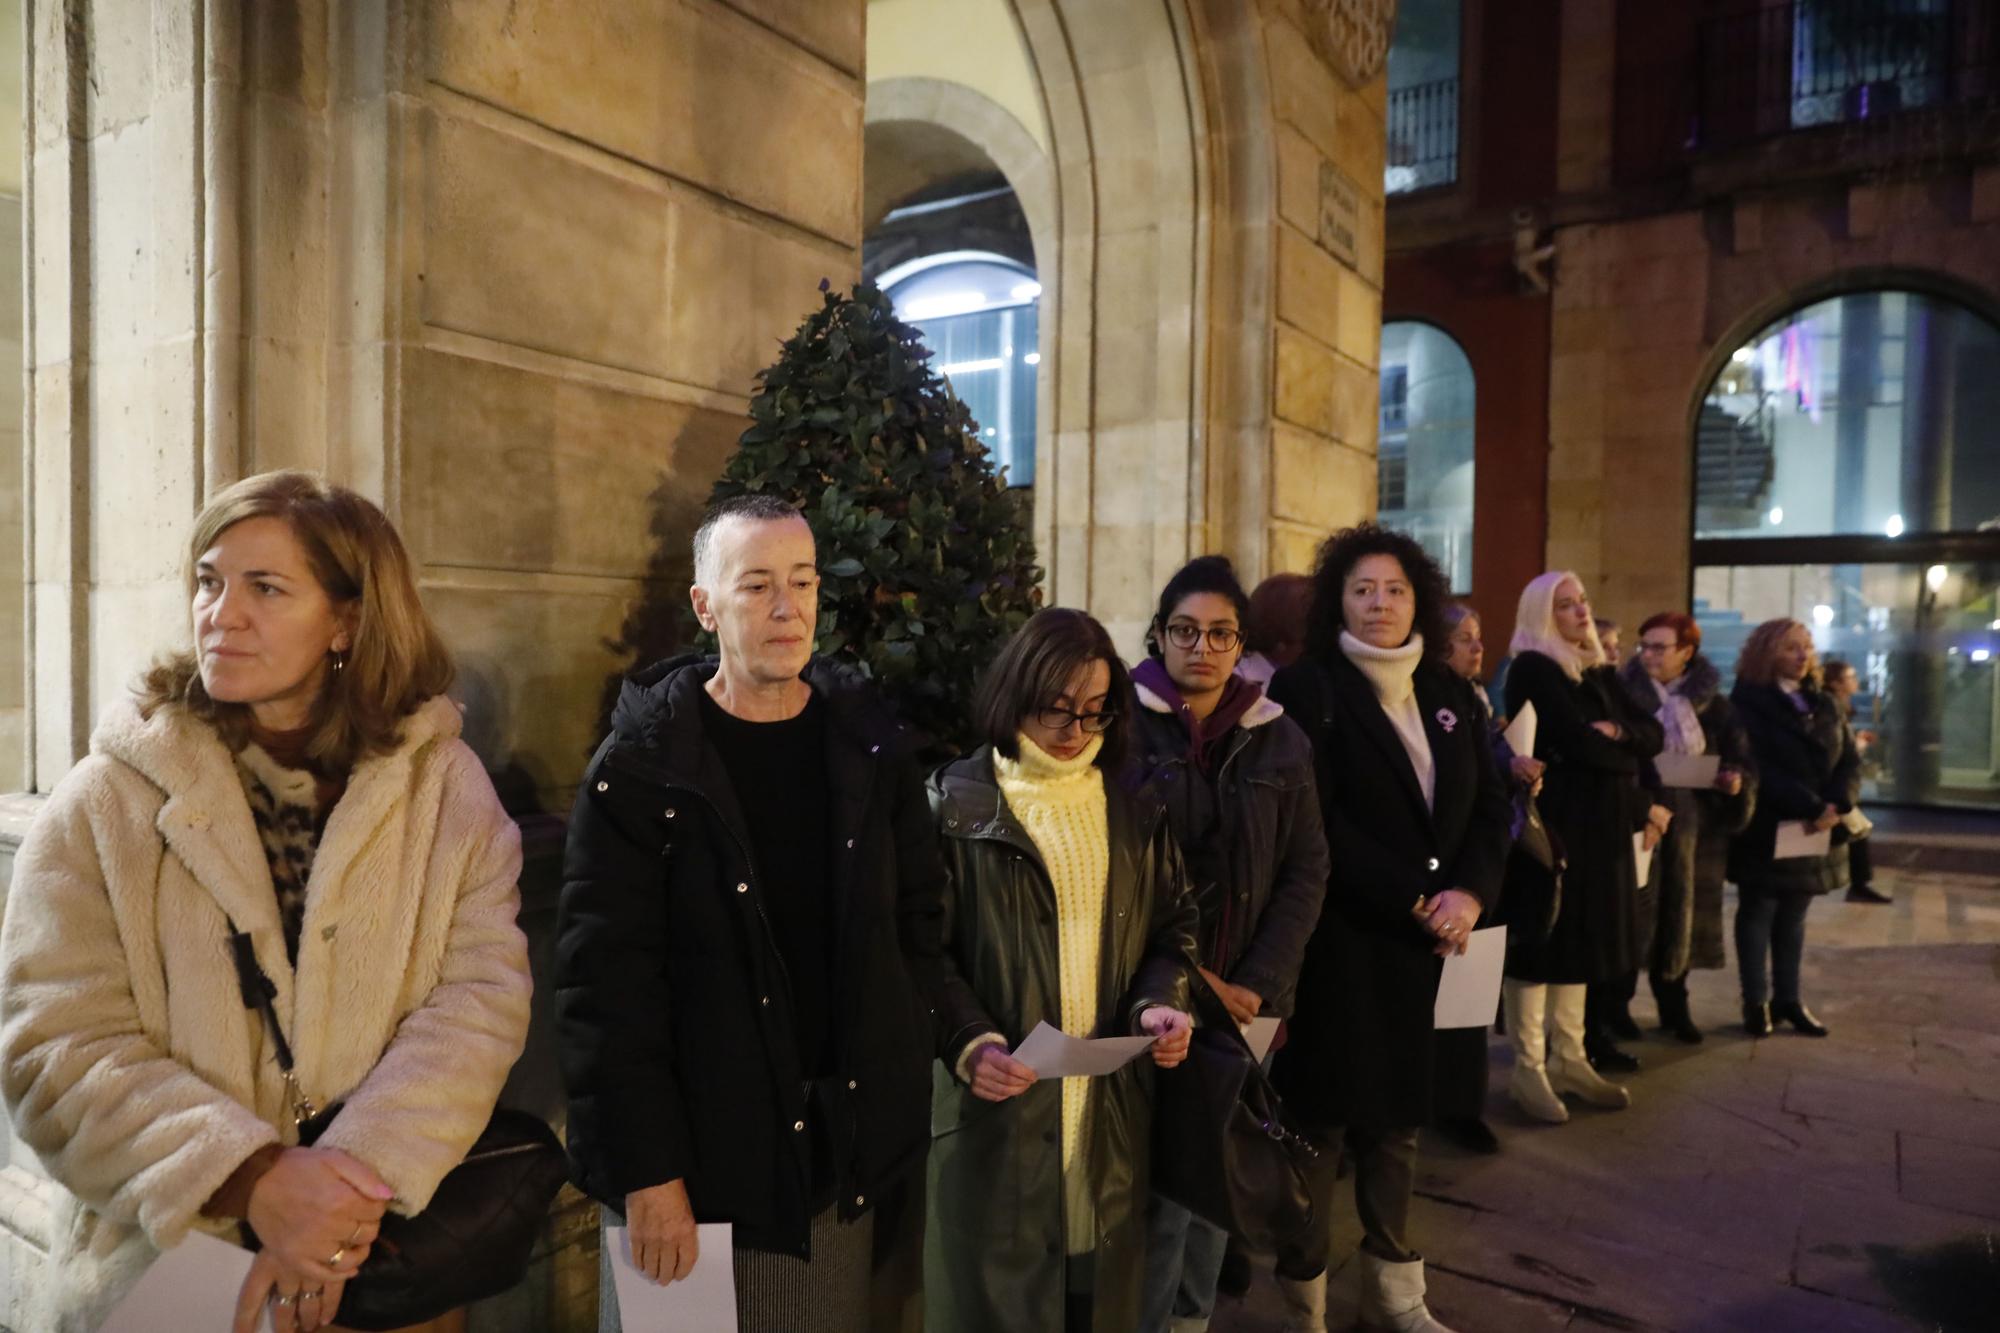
{"x":1221,"y":1147}
{"x":474,"y":1237}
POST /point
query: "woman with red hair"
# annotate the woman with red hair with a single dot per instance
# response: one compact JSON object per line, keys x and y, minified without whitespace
{"x":1682,"y":689}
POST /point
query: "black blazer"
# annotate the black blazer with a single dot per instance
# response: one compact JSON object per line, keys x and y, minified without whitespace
{"x":1359,"y":1049}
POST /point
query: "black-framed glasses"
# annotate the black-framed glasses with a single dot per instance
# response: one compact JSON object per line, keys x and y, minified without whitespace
{"x":1221,"y":638}
{"x":1059,"y":719}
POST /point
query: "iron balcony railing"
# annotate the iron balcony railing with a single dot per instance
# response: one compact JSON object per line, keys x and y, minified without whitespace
{"x":1775,"y":66}
{"x":1423,"y":137}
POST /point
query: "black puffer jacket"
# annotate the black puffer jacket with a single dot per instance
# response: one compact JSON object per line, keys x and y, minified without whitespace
{"x":677,"y":1042}
{"x":1805,"y":762}
{"x":1254,"y":927}
{"x":994,"y":1250}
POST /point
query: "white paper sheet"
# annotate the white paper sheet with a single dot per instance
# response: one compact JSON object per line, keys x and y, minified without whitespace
{"x":1688,"y":770}
{"x":1520,"y":732}
{"x":1260,"y":1033}
{"x":702,"y":1302}
{"x":1053,"y":1053}
{"x":1469,"y":989}
{"x":1796,"y":838}
{"x":1642,"y":856}
{"x":192,"y":1286}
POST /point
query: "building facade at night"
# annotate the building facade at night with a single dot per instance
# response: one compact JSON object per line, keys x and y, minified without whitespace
{"x":1716,"y":289}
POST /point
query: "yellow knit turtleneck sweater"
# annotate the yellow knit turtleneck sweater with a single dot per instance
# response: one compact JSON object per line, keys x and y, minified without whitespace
{"x":1060,"y":802}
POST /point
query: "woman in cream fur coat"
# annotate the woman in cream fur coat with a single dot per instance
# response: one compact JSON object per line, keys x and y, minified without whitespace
{"x":299,"y":778}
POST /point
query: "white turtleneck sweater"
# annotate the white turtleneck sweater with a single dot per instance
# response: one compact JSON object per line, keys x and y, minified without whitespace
{"x":1393,"y":671}
{"x":1060,"y":802}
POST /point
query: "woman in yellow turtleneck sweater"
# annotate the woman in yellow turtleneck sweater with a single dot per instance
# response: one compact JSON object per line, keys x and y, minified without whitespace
{"x":1065,"y":902}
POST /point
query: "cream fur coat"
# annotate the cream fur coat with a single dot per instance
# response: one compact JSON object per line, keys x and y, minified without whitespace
{"x":128,"y":1060}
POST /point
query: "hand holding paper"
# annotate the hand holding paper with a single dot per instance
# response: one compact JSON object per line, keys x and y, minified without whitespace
{"x":702,"y":1302}
{"x":1053,"y":1053}
{"x":1797,"y":838}
{"x":1469,"y":987}
{"x":1520,"y":732}
{"x":1687,"y":770}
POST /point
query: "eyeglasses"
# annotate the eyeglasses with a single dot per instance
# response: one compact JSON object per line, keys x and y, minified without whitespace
{"x":1221,"y":639}
{"x":1648,"y":646}
{"x":1059,"y":719}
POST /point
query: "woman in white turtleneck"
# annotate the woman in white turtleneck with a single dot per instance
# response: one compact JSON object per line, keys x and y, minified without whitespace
{"x":1416,"y":822}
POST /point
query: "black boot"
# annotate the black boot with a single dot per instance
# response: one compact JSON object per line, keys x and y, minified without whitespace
{"x":1605,"y":1057}
{"x":1598,"y":1046}
{"x":1795,"y":1013}
{"x":1757,"y":1019}
{"x":1865,"y":893}
{"x":1618,"y":1008}
{"x":1470,"y":1133}
{"x":1672,"y":997}
{"x":1235,"y":1277}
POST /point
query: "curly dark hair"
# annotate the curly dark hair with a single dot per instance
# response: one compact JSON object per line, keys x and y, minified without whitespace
{"x":1338,"y":556}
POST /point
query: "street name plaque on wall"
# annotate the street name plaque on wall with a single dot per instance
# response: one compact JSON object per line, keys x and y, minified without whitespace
{"x":1339,"y":212}
{"x":1352,"y":36}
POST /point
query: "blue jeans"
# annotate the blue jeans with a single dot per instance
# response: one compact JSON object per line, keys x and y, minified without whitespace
{"x":1183,"y":1265}
{"x":1773,"y":925}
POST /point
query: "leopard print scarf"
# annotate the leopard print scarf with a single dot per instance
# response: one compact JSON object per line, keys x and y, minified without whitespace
{"x":285,"y":804}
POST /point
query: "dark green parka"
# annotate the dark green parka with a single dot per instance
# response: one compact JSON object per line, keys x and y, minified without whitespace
{"x":994,"y":1248}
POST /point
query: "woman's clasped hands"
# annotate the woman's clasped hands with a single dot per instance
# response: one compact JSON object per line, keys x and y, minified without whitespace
{"x":316,"y":1211}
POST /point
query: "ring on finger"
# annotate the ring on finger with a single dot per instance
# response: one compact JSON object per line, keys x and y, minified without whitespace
{"x":282,"y":1299}
{"x":334,"y":1262}
{"x":356,"y":1237}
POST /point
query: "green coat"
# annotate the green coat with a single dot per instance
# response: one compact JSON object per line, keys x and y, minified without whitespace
{"x":994,"y":1248}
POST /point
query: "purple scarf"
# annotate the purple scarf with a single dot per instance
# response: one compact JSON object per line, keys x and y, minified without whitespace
{"x":1205,"y":736}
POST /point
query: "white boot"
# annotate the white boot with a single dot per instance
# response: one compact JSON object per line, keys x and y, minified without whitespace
{"x":1569,"y":1067}
{"x":1527,"y":1007}
{"x":1392,"y":1295}
{"x":1305,"y":1304}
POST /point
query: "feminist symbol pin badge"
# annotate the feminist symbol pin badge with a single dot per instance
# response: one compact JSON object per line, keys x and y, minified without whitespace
{"x":1447,"y":719}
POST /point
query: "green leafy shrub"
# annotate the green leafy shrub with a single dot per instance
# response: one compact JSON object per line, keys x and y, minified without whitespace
{"x":926,"y":557}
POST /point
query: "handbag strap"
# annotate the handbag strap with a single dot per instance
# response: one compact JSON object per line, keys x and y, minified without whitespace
{"x":260,"y":994}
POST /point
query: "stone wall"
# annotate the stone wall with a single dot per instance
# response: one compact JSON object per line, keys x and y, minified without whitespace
{"x":509,"y":268}
{"x":1327,"y":282}
{"x":1645,"y":309}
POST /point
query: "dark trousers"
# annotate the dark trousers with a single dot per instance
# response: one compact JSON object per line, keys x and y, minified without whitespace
{"x":1385,"y":1182}
{"x":1860,"y":867}
{"x":1771,"y":926}
{"x":1458,"y":1074}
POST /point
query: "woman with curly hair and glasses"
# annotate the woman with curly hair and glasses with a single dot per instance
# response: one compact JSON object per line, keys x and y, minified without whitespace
{"x":1416,"y":822}
{"x":1065,"y":903}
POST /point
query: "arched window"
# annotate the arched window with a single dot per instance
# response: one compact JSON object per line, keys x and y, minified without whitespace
{"x":1424,"y":481}
{"x":977,"y":312}
{"x":1847,"y":476}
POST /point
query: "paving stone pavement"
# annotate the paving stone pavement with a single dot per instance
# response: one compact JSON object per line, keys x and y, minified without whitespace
{"x":1850,"y":1185}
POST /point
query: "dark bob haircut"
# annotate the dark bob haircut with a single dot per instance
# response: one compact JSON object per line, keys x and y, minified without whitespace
{"x":1349,"y":547}
{"x":1204,"y":573}
{"x":1033,"y":670}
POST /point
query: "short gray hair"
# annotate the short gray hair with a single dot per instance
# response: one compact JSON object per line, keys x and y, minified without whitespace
{"x":757,"y":506}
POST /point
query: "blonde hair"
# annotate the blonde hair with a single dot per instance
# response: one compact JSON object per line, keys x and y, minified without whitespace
{"x":396,"y":659}
{"x":1535,"y":627}
{"x":1757,"y":660}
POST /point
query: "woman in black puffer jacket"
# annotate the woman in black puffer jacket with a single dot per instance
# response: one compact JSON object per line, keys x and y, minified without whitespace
{"x":1807,"y":776}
